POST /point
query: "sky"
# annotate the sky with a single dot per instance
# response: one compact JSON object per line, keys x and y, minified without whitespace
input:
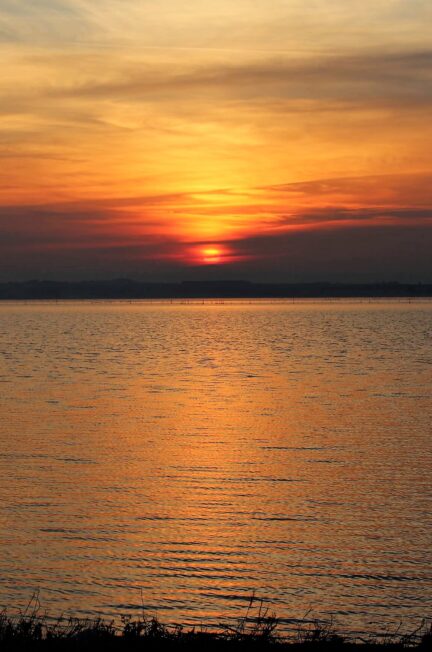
{"x":270,"y":140}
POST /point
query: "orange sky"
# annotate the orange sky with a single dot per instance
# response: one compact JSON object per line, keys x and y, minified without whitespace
{"x":135,"y":136}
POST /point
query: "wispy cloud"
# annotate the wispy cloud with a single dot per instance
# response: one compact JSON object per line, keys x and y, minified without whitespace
{"x":241,"y":25}
{"x":404,"y":78}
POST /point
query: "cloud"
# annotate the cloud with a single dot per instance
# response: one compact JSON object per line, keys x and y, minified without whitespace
{"x":404,"y":78}
{"x":376,"y":253}
{"x":401,"y":79}
{"x":219,"y":24}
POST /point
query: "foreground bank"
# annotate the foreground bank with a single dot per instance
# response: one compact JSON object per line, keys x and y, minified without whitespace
{"x":257,"y":630}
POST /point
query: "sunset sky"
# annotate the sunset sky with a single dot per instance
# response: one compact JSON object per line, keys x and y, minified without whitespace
{"x":178,"y":139}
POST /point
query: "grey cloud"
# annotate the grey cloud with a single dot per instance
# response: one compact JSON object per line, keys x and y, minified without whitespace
{"x":69,"y":227}
{"x":405,"y":77}
{"x":34,"y":22}
{"x":353,"y":254}
{"x":339,"y":215}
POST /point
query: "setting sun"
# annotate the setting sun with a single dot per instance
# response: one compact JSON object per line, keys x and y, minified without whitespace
{"x":212,"y":255}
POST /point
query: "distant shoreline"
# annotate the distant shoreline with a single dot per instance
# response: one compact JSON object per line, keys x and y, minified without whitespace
{"x":127,"y":289}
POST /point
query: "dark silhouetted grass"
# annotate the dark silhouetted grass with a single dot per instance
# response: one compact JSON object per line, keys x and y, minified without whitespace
{"x":257,"y":631}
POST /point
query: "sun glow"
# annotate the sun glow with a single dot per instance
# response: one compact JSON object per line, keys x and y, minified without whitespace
{"x":212,"y":255}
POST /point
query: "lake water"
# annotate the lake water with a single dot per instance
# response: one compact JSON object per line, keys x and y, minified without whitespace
{"x":181,"y":457}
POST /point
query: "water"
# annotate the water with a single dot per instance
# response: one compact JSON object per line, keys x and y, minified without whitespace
{"x":181,"y":457}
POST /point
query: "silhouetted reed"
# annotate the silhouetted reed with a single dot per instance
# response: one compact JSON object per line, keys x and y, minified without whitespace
{"x":256,"y":630}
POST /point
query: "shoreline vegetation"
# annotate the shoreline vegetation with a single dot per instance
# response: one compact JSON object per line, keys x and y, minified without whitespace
{"x":128,"y":289}
{"x":258,"y":629}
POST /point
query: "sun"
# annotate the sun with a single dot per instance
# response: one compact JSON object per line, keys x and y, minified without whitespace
{"x":212,"y":255}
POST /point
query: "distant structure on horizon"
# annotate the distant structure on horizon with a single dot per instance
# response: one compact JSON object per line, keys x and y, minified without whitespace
{"x":234,"y":289}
